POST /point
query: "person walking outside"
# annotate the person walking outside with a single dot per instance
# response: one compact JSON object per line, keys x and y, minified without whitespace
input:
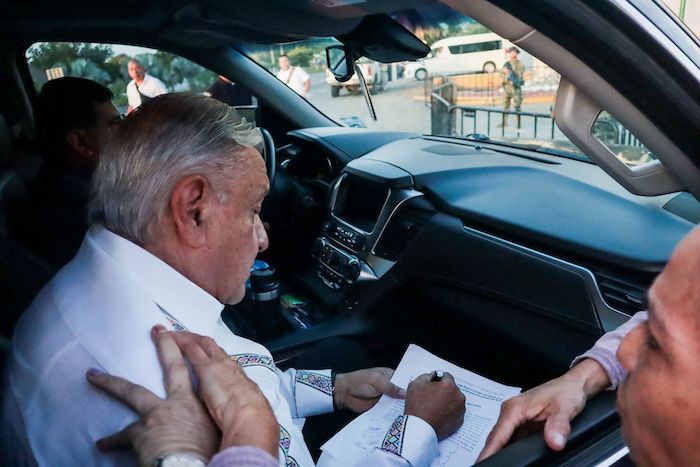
{"x":293,"y":76}
{"x":513,"y":80}
{"x":142,"y":87}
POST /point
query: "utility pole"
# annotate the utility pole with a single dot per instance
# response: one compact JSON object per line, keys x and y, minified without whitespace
{"x":681,"y":11}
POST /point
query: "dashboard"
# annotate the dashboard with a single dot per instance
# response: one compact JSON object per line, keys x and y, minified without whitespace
{"x":408,"y":205}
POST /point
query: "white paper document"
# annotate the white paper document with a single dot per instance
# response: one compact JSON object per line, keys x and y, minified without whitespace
{"x":484,"y":398}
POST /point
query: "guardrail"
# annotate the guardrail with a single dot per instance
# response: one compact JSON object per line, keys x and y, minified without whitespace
{"x":472,"y":112}
{"x":445,"y":120}
{"x":448,"y":117}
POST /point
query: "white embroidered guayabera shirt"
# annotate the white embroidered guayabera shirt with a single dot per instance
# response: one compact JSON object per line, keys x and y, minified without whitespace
{"x":98,"y":312}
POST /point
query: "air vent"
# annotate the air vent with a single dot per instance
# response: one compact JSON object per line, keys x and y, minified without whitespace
{"x":402,"y":229}
{"x":622,"y":294}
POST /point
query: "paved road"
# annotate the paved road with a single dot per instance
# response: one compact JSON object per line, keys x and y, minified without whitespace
{"x":397,"y":109}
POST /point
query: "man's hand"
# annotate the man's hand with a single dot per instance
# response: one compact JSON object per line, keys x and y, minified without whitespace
{"x":235,"y":402}
{"x":440,"y":403}
{"x":179,"y":423}
{"x":554,"y":403}
{"x":360,"y":390}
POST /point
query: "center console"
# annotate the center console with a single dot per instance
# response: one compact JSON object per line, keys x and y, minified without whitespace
{"x":373,"y":212}
{"x":342,"y":250}
{"x":365,"y":217}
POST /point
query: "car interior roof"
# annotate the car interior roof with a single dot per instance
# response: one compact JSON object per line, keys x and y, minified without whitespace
{"x":208,"y":22}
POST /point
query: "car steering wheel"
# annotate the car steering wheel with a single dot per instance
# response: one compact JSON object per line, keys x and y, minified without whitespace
{"x":269,"y":155}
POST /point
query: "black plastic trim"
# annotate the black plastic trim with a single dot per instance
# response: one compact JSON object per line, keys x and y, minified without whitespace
{"x":598,"y":418}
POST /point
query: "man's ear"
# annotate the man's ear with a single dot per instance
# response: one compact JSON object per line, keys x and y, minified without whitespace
{"x":189,"y":206}
{"x":81,"y":143}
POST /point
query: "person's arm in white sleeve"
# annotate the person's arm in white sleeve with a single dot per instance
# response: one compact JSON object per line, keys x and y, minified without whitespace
{"x":410,"y":441}
{"x":308,"y":392}
{"x":132,"y":96}
{"x":306,"y":79}
{"x":315,"y":392}
{"x":160,"y":88}
{"x":434,"y":410}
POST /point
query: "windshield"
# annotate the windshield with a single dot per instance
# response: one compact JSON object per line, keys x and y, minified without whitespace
{"x":474,"y":84}
{"x":688,"y":12}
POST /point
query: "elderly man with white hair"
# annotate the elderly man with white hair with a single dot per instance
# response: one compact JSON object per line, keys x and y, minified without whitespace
{"x":175,"y":227}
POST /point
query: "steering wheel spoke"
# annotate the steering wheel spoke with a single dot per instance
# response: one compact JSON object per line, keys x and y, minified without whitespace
{"x":269,"y":155}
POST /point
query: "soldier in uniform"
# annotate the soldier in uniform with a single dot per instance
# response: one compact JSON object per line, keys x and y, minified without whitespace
{"x":513,"y":72}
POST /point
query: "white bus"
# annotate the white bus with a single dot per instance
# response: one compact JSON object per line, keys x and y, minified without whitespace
{"x":464,"y":54}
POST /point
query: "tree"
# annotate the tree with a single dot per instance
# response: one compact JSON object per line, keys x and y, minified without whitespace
{"x":178,"y":73}
{"x":64,"y":54}
{"x":117,"y":66}
{"x":474,"y":28}
{"x":84,"y":68}
{"x":301,"y":55}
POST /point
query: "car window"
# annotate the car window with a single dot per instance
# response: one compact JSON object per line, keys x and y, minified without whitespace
{"x":620,"y":141}
{"x":108,"y":64}
{"x":478,"y":47}
{"x":688,"y":11}
{"x":467,"y":86}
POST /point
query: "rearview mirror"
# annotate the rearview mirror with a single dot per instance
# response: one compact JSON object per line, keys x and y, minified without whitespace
{"x":340,"y":62}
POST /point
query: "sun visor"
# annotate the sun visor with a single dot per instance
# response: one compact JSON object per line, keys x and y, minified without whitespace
{"x":380,"y":38}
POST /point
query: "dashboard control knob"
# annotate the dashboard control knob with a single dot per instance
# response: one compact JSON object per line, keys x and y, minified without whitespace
{"x":352,"y":270}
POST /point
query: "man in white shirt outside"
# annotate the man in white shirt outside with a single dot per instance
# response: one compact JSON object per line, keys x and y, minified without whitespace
{"x":293,"y":76}
{"x":142,"y":86}
{"x":174,"y":210}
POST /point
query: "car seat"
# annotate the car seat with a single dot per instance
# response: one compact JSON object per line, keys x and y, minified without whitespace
{"x":22,"y":274}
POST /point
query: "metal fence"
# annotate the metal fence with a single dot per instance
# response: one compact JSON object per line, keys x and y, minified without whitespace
{"x":486,"y":89}
{"x":453,"y":111}
{"x":451,"y":118}
{"x":536,"y":127}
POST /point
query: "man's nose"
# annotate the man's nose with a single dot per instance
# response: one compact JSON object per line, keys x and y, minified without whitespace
{"x":261,"y":233}
{"x":630,"y":348}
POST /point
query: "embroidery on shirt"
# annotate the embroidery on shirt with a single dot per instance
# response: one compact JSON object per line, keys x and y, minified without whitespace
{"x":285,"y":443}
{"x":393,"y":441}
{"x":251,"y":359}
{"x":315,"y":380}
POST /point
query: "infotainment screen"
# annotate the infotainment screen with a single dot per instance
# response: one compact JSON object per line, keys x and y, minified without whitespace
{"x":360,"y":201}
